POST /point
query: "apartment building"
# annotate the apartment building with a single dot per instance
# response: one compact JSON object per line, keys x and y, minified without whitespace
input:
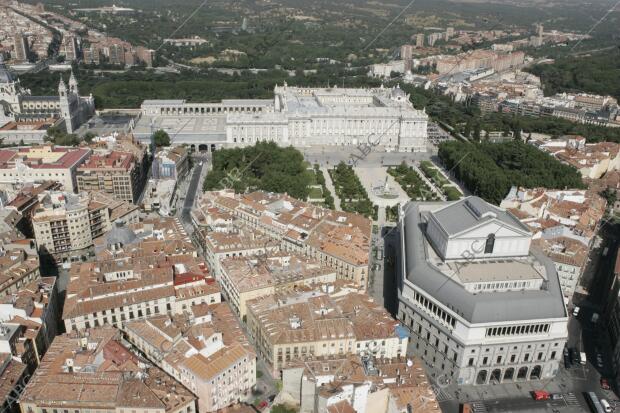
{"x":26,"y":201}
{"x":220,"y":243}
{"x":28,"y":321}
{"x":340,"y":240}
{"x":18,"y":267}
{"x":116,"y":173}
{"x":36,"y":164}
{"x":141,"y":270}
{"x":96,"y":372}
{"x":575,"y":213}
{"x":482,"y":307}
{"x":250,"y":277}
{"x":612,"y":315}
{"x":13,"y":376}
{"x":204,"y":349}
{"x":563,"y":223}
{"x":328,"y":322}
{"x":570,"y":258}
{"x":359,"y":384}
{"x":65,"y":224}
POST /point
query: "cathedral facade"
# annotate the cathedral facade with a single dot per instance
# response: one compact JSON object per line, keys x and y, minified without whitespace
{"x":17,"y":104}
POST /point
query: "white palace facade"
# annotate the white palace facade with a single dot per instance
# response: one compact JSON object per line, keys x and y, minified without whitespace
{"x":298,"y":116}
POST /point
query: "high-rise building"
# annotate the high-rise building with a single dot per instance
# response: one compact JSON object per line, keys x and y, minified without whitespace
{"x":92,"y":55}
{"x":21,"y":47}
{"x":406,"y":52}
{"x":116,"y":54}
{"x":419,"y":40}
{"x":481,"y":305}
{"x":71,"y":48}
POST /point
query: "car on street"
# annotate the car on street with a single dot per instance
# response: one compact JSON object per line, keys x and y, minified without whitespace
{"x":594,"y":318}
{"x":567,"y":362}
{"x":262,"y":405}
{"x":605,"y":384}
{"x":556,"y":396}
{"x":582,"y":358}
{"x":599,"y":361}
{"x":606,"y":405}
{"x":576,"y":311}
{"x":540,"y":395}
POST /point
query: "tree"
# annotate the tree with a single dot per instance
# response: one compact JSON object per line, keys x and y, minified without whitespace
{"x":467,"y":130}
{"x":161,"y":138}
{"x":88,"y":137}
{"x":477,"y":130}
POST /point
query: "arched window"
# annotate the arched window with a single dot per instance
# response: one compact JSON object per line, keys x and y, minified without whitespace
{"x":488,"y":247}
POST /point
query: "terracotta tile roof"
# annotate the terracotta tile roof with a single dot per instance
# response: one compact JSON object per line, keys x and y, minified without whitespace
{"x":208,"y":367}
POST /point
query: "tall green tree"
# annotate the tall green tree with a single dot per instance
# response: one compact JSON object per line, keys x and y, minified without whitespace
{"x":161,"y":138}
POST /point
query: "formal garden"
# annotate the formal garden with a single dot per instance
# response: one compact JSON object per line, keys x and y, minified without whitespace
{"x":353,"y":196}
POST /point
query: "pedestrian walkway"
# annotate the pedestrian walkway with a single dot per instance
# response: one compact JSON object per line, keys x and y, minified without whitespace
{"x":479,"y":407}
{"x":571,"y":399}
{"x":428,"y":182}
{"x":330,"y":185}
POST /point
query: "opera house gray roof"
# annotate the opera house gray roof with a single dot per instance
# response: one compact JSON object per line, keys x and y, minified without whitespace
{"x":430,"y":276}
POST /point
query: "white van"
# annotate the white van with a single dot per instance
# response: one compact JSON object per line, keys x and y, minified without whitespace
{"x":606,"y":405}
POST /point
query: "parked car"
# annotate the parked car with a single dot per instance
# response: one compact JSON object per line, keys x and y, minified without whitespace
{"x":556,"y":396}
{"x":540,"y":395}
{"x":582,"y":358}
{"x":576,"y":311}
{"x":605,"y":384}
{"x":606,"y":405}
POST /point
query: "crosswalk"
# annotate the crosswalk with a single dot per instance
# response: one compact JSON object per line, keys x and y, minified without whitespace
{"x":479,"y":407}
{"x":441,"y":395}
{"x":571,"y":399}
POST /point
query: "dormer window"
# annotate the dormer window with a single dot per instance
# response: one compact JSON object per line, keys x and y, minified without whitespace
{"x":488,"y":246}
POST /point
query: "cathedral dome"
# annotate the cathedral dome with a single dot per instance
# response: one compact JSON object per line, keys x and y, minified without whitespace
{"x":120,"y":235}
{"x":398,"y":93}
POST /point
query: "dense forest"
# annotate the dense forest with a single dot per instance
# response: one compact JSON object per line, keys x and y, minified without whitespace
{"x":129,"y":89}
{"x":598,"y":73}
{"x":291,"y":33}
{"x":264,"y":166}
{"x":490,"y":169}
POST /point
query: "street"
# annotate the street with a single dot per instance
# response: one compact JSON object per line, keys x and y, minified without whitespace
{"x":189,"y":191}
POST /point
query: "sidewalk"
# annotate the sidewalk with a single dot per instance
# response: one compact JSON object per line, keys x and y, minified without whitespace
{"x":330,"y":185}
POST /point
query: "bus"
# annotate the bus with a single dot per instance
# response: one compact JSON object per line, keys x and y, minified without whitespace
{"x":594,"y":402}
